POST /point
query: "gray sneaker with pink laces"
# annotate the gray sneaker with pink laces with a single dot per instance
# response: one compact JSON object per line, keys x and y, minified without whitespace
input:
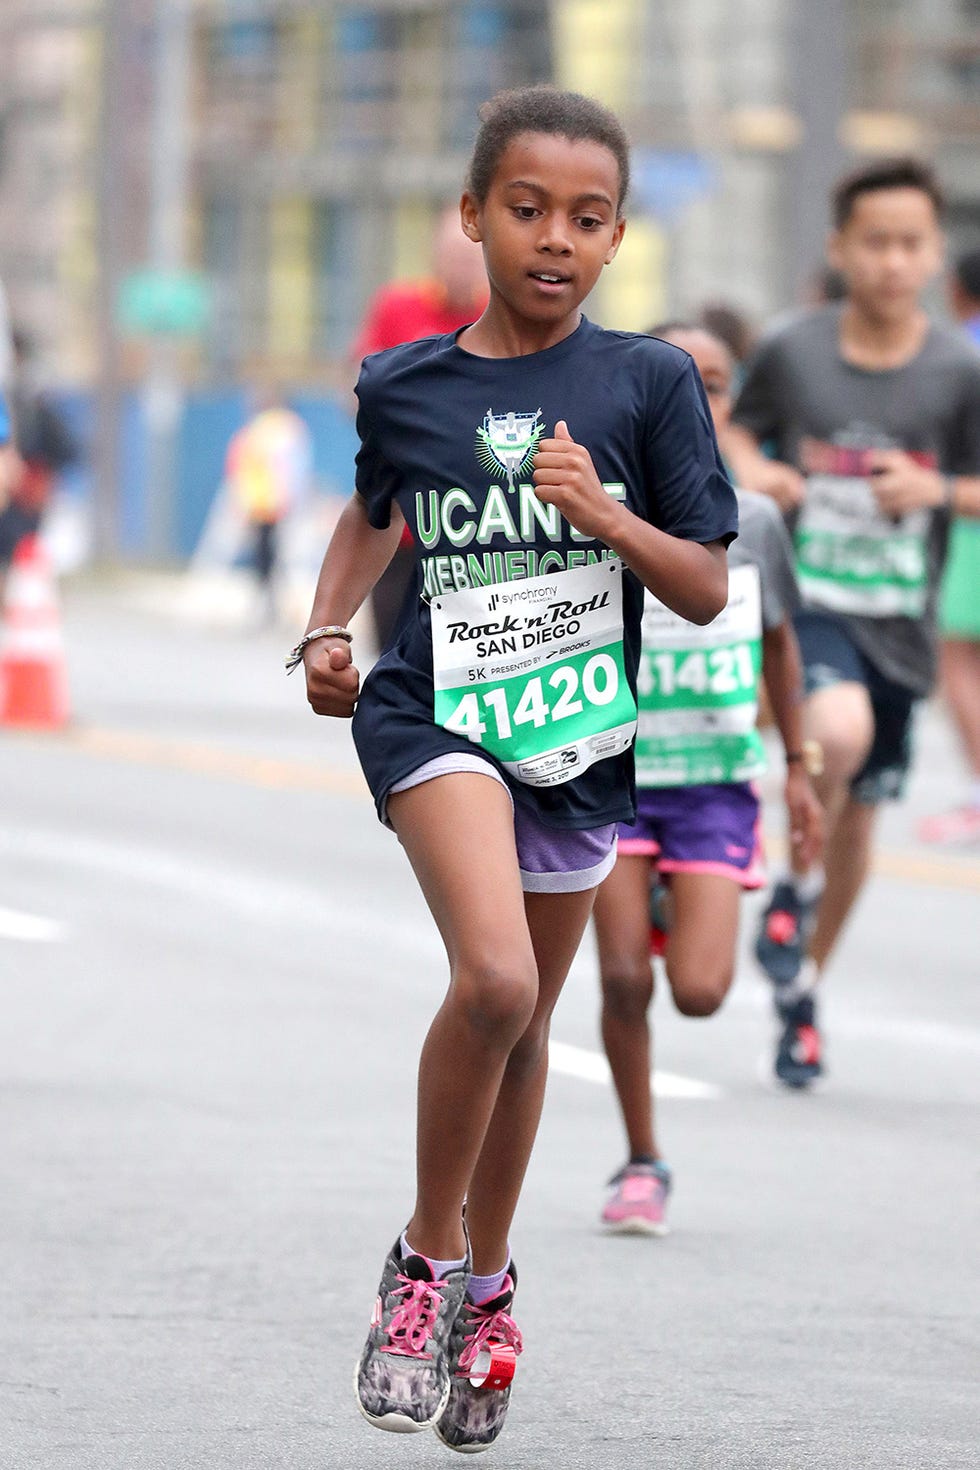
{"x":483,"y":1349}
{"x":402,"y":1380}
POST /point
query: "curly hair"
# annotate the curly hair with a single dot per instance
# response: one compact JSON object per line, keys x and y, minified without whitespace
{"x":544,"y":109}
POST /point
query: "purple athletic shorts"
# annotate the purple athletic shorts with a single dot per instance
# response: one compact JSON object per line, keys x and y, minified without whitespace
{"x":699,"y":829}
{"x":551,"y":861}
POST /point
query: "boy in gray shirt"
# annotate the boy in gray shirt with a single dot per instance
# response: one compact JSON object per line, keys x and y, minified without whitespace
{"x":871,"y":413}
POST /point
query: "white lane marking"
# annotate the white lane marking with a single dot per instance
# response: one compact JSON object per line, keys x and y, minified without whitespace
{"x":591,"y":1066}
{"x":30,"y":927}
{"x":275,"y":901}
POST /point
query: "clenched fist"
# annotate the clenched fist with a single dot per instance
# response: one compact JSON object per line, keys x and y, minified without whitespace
{"x":565,"y":476}
{"x":901,"y":484}
{"x":332,"y":682}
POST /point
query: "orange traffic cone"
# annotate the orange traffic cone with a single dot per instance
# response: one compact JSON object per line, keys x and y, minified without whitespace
{"x":33,"y":676}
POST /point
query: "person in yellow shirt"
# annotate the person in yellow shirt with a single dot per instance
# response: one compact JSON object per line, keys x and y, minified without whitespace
{"x":268,"y":469}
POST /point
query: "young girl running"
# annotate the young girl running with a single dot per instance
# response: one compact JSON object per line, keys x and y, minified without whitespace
{"x":548,"y":470}
{"x":696,"y":828}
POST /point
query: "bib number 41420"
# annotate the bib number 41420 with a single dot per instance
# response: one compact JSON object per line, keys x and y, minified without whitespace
{"x":508,"y":709}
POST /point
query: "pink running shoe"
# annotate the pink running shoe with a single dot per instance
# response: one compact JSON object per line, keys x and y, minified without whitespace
{"x":961,"y":825}
{"x":637,"y":1204}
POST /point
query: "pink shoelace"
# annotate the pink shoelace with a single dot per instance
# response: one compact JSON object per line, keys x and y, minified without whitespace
{"x":412,"y":1321}
{"x":496,"y":1326}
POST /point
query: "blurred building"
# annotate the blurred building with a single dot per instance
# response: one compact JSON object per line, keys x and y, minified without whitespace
{"x":319,"y":139}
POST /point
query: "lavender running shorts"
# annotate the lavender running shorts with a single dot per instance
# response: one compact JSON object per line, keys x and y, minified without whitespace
{"x":550,"y":861}
{"x":699,"y":829}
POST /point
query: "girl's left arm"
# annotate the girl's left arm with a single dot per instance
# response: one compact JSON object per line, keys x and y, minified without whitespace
{"x":690,"y":578}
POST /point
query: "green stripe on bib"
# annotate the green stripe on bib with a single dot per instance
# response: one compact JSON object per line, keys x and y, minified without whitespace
{"x":698,"y":692}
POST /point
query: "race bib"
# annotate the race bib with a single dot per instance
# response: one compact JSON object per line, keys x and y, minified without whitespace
{"x":853,"y":559}
{"x":698,"y":692}
{"x":533,"y":671}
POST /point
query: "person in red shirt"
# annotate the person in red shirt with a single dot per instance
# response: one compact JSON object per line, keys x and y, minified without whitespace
{"x":454,"y":295}
{"x":403,"y":311}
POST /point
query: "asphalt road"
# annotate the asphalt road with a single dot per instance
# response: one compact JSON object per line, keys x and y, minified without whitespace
{"x":216,"y":974}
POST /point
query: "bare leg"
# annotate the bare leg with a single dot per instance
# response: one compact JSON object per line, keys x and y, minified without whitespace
{"x":556,"y":922}
{"x":478,"y":905}
{"x":622,"y":927}
{"x":848,"y":860}
{"x":700,"y":954}
{"x":842,"y":720}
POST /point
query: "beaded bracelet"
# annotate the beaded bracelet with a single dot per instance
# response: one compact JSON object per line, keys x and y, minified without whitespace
{"x":332,"y":630}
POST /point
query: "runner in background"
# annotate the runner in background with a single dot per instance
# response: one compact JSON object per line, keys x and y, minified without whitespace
{"x":733,"y":327}
{"x":268,"y":470}
{"x":873,"y":413}
{"x":959,"y":608}
{"x":549,"y":471}
{"x":694,"y":846}
{"x":453,"y":296}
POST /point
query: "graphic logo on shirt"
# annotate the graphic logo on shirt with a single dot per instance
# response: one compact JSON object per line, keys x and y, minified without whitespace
{"x":853,"y":453}
{"x":507,"y":441}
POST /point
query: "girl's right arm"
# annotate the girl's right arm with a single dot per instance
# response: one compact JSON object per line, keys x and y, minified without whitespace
{"x":355,"y":559}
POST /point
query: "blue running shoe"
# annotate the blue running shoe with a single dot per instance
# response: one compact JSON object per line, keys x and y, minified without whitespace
{"x":784,"y":929}
{"x":799,"y":1051}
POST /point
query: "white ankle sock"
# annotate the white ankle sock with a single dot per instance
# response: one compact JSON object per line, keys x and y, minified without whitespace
{"x":484,"y":1288}
{"x":808,"y":886}
{"x":439,"y":1268}
{"x":804,"y":984}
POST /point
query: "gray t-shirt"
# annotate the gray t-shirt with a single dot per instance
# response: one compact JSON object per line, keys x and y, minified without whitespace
{"x":823,"y":415}
{"x":763,"y":542}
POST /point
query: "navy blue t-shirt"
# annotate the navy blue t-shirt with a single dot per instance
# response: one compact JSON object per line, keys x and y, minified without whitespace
{"x":451,"y":437}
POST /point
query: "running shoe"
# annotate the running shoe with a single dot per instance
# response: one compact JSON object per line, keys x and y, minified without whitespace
{"x":961,"y":825}
{"x":799,"y":1050}
{"x":484,"y":1338}
{"x":784,"y":929}
{"x":637,"y":1204}
{"x":402,"y":1378}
